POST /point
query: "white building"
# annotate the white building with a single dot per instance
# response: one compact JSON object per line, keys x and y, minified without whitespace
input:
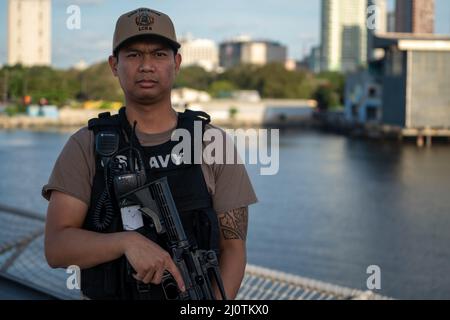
{"x":29,"y":32}
{"x":199,"y":52}
{"x":182,"y":97}
{"x":343,"y":35}
{"x":243,"y":50}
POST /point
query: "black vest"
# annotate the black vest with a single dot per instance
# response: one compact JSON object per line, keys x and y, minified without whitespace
{"x":111,"y":280}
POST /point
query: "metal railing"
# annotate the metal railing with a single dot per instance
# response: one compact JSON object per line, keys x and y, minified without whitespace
{"x":22,"y":260}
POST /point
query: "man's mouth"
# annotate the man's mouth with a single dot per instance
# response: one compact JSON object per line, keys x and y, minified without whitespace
{"x":147,"y":83}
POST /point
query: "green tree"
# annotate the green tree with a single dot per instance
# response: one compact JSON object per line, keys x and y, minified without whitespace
{"x":272,"y":81}
{"x":336,"y":81}
{"x":98,"y":83}
{"x":221,"y":88}
{"x":277,"y":82}
{"x":243,"y":76}
{"x":57,"y":86}
{"x":326,"y":97}
{"x":39,"y":82}
{"x":194,"y":77}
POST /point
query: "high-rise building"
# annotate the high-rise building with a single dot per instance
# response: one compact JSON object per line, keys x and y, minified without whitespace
{"x":376,"y":24}
{"x":29,"y":32}
{"x":312,"y":61}
{"x":200,"y":52}
{"x":414,"y":16}
{"x":391,"y":21}
{"x":247,"y":51}
{"x":343,"y":35}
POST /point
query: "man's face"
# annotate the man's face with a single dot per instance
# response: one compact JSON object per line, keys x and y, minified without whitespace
{"x":146,"y":70}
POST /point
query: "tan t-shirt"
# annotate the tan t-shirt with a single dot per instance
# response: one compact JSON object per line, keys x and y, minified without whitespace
{"x":74,"y":170}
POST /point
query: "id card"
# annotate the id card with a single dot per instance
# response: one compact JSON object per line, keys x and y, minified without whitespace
{"x":131,"y":218}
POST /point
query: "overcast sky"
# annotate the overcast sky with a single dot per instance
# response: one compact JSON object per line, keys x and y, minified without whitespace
{"x":294,"y":23}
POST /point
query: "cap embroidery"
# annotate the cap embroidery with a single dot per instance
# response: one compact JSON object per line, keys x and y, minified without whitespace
{"x":144,"y":21}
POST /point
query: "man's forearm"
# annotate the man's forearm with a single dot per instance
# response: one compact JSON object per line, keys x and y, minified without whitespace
{"x":232,"y":269}
{"x":233,"y":233}
{"x":74,"y":246}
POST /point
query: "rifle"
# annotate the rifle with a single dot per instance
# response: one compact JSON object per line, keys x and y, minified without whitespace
{"x":197,"y":267}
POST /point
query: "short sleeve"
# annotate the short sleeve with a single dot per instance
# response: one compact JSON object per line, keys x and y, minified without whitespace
{"x":74,"y":169}
{"x":229,"y":183}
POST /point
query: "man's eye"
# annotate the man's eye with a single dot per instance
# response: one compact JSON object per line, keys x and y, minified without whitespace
{"x":132,"y":55}
{"x":161,"y":54}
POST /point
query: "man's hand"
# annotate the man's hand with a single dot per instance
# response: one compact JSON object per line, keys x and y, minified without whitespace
{"x":150,"y":261}
{"x":66,"y":243}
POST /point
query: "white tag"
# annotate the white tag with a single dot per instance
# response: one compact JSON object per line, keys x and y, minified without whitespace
{"x":131,"y":218}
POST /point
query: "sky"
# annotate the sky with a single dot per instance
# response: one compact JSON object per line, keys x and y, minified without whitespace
{"x":293,"y":23}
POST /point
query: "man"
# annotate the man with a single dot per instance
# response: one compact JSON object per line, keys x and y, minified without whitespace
{"x":84,"y":225}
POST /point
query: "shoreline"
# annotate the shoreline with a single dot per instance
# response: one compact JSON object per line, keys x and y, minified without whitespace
{"x":230,"y":113}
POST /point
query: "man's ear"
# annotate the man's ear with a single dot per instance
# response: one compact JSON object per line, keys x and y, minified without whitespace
{"x":177,"y":62}
{"x":112,"y":60}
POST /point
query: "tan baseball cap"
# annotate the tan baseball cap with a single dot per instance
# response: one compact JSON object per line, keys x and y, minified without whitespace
{"x":144,"y":21}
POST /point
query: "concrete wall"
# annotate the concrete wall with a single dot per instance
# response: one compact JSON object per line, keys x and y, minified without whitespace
{"x":430,"y":89}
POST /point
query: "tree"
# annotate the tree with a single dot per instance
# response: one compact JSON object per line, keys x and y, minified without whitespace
{"x":194,"y":77}
{"x":336,"y":81}
{"x":271,"y":81}
{"x":243,"y":76}
{"x":325,"y":97}
{"x":98,"y":83}
{"x":221,"y":88}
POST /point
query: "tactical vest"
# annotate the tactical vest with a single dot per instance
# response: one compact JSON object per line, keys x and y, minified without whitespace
{"x":111,"y":280}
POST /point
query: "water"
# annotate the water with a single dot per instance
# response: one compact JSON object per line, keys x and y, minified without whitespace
{"x":336,"y":207}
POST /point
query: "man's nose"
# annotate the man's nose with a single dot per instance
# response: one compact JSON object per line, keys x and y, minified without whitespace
{"x":147,"y":64}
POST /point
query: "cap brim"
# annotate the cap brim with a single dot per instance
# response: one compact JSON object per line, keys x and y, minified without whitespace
{"x":173,"y":44}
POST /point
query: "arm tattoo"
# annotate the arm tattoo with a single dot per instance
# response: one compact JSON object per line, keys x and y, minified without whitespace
{"x":233,"y":223}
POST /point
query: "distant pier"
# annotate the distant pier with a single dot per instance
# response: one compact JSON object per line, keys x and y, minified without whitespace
{"x":423,"y":136}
